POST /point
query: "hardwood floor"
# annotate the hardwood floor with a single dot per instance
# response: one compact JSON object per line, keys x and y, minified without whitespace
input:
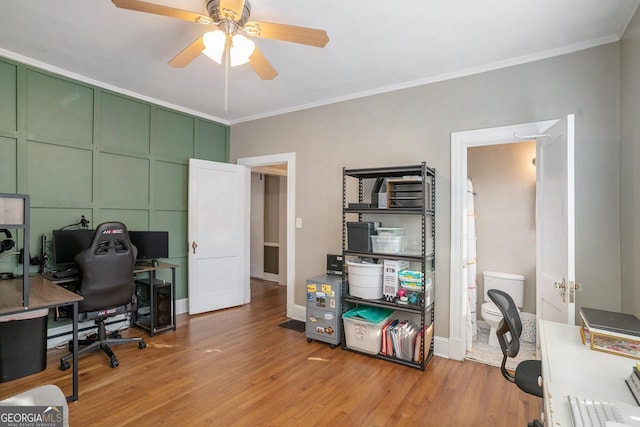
{"x":237,"y":367}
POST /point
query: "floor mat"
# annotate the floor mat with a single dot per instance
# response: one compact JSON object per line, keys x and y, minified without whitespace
{"x":484,"y":353}
{"x":294,"y":325}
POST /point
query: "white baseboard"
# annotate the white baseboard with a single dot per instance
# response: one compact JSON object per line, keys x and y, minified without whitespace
{"x":65,"y":331}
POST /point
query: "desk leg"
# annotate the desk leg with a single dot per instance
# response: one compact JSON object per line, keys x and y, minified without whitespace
{"x":74,"y":395}
{"x":173,"y":296}
{"x":152,"y":303}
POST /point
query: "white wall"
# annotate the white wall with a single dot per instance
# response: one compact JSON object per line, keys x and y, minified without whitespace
{"x":413,"y":125}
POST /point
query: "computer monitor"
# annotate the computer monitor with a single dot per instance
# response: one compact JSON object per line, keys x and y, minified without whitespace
{"x":151,"y":245}
{"x":68,"y":243}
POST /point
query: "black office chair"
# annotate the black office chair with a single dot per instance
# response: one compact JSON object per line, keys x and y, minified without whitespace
{"x":106,"y":283}
{"x":528,"y":373}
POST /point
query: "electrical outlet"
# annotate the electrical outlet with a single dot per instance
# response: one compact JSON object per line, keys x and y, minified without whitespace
{"x":298,"y":222}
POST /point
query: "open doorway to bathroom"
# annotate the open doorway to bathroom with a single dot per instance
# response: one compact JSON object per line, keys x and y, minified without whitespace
{"x":501,"y":237}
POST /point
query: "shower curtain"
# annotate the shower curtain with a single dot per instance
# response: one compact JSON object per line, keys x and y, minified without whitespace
{"x":471,"y":268}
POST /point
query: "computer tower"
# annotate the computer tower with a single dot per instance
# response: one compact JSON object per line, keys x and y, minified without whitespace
{"x":154,"y":311}
{"x":324,"y":302}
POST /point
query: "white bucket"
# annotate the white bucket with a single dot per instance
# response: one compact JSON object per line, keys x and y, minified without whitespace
{"x":365,"y":280}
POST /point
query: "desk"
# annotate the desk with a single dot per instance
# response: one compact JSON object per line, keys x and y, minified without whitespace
{"x":42,"y":294}
{"x":569,"y":367}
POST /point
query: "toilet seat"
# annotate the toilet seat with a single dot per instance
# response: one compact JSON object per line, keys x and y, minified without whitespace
{"x":491,"y":308}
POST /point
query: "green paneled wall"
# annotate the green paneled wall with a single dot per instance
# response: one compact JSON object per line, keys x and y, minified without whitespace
{"x":81,"y":150}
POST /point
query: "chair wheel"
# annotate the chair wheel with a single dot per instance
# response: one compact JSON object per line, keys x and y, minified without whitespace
{"x":142,"y":345}
{"x":114,"y":362}
{"x":64,"y":365}
{"x":309,"y":340}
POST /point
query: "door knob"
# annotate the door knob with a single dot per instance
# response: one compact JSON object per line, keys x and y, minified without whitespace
{"x":194,"y":245}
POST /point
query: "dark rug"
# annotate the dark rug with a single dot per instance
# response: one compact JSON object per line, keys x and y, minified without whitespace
{"x":294,"y":325}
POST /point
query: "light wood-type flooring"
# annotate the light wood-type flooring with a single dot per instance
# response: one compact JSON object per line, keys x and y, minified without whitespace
{"x":237,"y":367}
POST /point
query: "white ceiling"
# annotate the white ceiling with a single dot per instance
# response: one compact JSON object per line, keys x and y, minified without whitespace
{"x":374,"y":46}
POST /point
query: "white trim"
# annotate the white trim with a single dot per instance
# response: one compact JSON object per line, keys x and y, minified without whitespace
{"x":460,"y":141}
{"x":290,"y":159}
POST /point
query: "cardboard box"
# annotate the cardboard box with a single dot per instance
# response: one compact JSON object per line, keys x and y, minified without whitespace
{"x":390,"y":283}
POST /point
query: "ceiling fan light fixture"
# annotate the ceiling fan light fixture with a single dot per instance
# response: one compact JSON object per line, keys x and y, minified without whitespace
{"x":241,"y":47}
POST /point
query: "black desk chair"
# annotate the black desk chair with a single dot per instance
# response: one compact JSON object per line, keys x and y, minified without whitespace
{"x":528,"y":373}
{"x":106,"y":283}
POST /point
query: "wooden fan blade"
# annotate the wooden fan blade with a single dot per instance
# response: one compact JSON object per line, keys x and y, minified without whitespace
{"x":288,"y":33}
{"x":261,"y":66}
{"x":157,"y":9}
{"x":188,"y":54}
{"x":234,"y":6}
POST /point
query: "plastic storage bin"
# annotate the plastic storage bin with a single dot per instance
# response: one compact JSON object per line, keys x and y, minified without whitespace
{"x":363,"y":328}
{"x":390,"y":231}
{"x":365,"y":280}
{"x":386,"y":244}
{"x":23,"y":344}
{"x":413,"y":246}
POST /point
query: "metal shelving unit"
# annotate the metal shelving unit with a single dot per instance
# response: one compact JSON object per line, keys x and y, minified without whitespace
{"x":423,"y":207}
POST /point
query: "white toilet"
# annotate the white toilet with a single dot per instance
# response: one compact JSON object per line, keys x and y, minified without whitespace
{"x":513,"y":284}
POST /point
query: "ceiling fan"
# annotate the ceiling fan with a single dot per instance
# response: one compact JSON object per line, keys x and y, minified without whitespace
{"x":231,"y":17}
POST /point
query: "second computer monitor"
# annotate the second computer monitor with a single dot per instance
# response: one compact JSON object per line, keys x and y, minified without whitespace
{"x":68,"y":243}
{"x":151,"y":245}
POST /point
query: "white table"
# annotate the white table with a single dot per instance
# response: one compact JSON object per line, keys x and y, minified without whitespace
{"x":569,"y":367}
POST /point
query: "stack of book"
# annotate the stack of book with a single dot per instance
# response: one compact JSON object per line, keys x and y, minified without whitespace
{"x":633,"y":382}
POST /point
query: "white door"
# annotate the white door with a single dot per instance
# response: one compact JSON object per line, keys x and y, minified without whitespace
{"x":218,"y":235}
{"x":555,"y":223}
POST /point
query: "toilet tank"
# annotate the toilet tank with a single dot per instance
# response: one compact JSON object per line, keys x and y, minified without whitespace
{"x":513,"y":284}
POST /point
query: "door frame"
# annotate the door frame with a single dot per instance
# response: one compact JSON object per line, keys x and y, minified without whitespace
{"x":293,"y":311}
{"x":460,"y":141}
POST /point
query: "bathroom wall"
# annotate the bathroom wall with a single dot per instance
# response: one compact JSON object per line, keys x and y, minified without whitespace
{"x":504,"y":180}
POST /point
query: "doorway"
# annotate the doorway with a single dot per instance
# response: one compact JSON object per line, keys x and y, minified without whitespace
{"x":501,"y":240}
{"x":285,"y":163}
{"x":268,"y":231}
{"x":460,"y":142}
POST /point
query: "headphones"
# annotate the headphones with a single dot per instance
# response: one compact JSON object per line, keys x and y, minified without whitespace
{"x":7,"y":243}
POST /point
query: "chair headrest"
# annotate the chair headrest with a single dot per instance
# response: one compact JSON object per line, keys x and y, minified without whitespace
{"x":110,"y":235}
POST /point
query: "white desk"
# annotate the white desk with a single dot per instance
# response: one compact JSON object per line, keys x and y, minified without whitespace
{"x":569,"y":367}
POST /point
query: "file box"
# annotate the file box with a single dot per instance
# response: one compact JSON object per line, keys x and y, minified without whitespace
{"x":364,"y":334}
{"x":358,"y":235}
